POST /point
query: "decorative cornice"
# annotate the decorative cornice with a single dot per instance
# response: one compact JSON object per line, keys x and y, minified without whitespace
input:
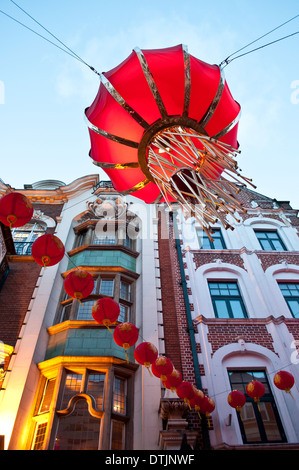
{"x":241,"y":321}
{"x":59,"y":195}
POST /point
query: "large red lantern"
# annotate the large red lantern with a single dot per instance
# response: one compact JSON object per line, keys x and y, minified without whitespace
{"x":79,"y":284}
{"x":207,"y":406}
{"x":105,"y":311}
{"x":125,"y":335}
{"x":145,"y":354}
{"x":186,"y":391}
{"x":284,"y":381}
{"x":164,"y":127}
{"x":47,"y":250}
{"x":236,"y":399}
{"x":16,"y":210}
{"x":197,"y":400}
{"x":255,"y":390}
{"x":173,"y":380}
{"x":162,"y":367}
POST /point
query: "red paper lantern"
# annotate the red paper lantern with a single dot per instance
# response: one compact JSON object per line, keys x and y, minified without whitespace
{"x":163,"y":116}
{"x":186,"y":391}
{"x":255,"y":390}
{"x":145,"y":354}
{"x":284,"y":381}
{"x":79,"y":284}
{"x":197,"y":400}
{"x":125,"y":335}
{"x":207,"y":406}
{"x":16,"y":210}
{"x":105,"y":311}
{"x":236,"y":399}
{"x":47,"y":250}
{"x":163,"y":367}
{"x":173,"y":380}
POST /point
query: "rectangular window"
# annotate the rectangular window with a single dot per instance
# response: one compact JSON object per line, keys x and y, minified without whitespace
{"x":47,"y":396}
{"x":259,"y":422}
{"x":119,"y":396}
{"x":124,"y":314}
{"x":124,"y":290}
{"x":117,"y":435}
{"x":95,"y":387}
{"x":39,"y":437}
{"x":227,"y":300}
{"x":217,"y":243}
{"x":73,"y":386}
{"x":84,"y":311}
{"x":270,"y":240}
{"x":107,"y":287}
{"x":291,"y":295}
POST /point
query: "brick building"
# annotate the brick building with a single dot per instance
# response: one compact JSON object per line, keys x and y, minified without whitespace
{"x":224,"y":311}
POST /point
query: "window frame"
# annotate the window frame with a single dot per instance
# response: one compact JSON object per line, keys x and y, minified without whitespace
{"x":202,"y":236}
{"x":23,"y":248}
{"x":289,"y":297}
{"x":267,"y":398}
{"x":265,"y":232}
{"x":227,"y":299}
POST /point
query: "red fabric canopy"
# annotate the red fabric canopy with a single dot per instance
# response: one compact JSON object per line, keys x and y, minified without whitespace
{"x":152,"y":88}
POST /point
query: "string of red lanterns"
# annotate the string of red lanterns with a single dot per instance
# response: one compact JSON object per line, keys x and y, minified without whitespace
{"x":47,"y":250}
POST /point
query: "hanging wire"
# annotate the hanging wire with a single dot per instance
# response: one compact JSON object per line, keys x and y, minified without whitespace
{"x":65,"y":48}
{"x":226,"y":61}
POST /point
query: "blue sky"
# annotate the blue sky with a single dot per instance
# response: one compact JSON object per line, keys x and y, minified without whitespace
{"x":43,"y":91}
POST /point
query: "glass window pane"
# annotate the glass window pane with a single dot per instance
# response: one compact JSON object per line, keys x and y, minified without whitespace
{"x":266,"y":245}
{"x":106,"y":287}
{"x":214,"y":289}
{"x":269,"y":421}
{"x":124,"y":290}
{"x":117,"y":435}
{"x":47,"y":396}
{"x":95,"y":387}
{"x":277,"y":245}
{"x":272,"y":235}
{"x":221,"y":309}
{"x":237,"y":309}
{"x":78,"y":430}
{"x":119,"y":398}
{"x":84,"y":311}
{"x":124,"y":314}
{"x":224,"y":290}
{"x":249,"y":421}
{"x":73,"y":384}
{"x":294,"y":307}
{"x":40,"y":436}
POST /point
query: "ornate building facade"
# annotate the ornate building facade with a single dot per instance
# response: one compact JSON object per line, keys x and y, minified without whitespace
{"x":224,"y":311}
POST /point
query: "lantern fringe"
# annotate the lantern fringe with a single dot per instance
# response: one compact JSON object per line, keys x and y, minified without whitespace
{"x":289,"y":391}
{"x":126,"y":356}
{"x":148,"y":368}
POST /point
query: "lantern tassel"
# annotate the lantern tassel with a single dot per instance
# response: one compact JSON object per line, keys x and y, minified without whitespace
{"x":149,"y":371}
{"x":289,"y":391}
{"x":126,"y":356}
{"x":188,"y":402}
